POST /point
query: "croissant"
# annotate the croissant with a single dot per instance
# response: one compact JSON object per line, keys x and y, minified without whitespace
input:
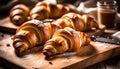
{"x":66,"y":39}
{"x":80,"y":22}
{"x":35,"y":32}
{"x":32,"y":33}
{"x":43,"y":10}
{"x":19,"y":14}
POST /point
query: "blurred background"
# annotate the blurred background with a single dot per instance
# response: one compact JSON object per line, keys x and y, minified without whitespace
{"x":6,"y":5}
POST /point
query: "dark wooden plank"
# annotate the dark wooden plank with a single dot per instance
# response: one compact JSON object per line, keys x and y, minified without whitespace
{"x":113,"y":63}
{"x":100,"y":65}
{"x":7,"y":26}
{"x":3,"y":63}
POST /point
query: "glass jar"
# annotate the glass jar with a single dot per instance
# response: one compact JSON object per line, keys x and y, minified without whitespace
{"x":107,"y":13}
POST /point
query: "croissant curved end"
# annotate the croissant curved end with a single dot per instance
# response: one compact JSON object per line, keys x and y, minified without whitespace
{"x":19,"y":47}
{"x":35,"y":16}
{"x":17,"y":20}
{"x":96,"y":25}
{"x":49,"y":50}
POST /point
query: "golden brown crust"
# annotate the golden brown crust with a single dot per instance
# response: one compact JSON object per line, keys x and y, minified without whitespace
{"x":42,"y":32}
{"x":79,"y":22}
{"x":43,"y":3}
{"x":30,"y":34}
{"x":60,"y":23}
{"x":66,"y":39}
{"x":39,"y":13}
{"x":20,"y":6}
{"x":35,"y":33}
{"x":23,"y":40}
{"x":19,"y":14}
{"x":90,"y":22}
{"x":54,"y":10}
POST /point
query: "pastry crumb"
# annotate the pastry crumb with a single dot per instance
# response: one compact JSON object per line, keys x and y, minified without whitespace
{"x":51,"y":63}
{"x":8,"y":45}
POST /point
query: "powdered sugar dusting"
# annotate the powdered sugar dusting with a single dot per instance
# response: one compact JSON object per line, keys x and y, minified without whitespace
{"x":104,"y":45}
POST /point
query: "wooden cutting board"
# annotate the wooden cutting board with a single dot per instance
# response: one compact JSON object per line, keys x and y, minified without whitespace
{"x":34,"y":59}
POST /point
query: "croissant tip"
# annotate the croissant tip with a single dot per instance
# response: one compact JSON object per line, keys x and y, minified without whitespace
{"x":47,"y":52}
{"x":17,"y":20}
{"x":35,"y":16}
{"x":19,"y":46}
{"x":17,"y":52}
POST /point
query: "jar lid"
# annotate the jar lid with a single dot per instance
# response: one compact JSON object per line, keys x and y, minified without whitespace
{"x":105,"y":3}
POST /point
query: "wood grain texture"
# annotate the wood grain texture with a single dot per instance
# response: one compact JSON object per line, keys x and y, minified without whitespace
{"x":85,"y":57}
{"x":7,"y":26}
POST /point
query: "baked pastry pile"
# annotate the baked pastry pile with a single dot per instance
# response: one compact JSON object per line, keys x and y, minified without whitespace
{"x":42,"y":10}
{"x":65,"y":33}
